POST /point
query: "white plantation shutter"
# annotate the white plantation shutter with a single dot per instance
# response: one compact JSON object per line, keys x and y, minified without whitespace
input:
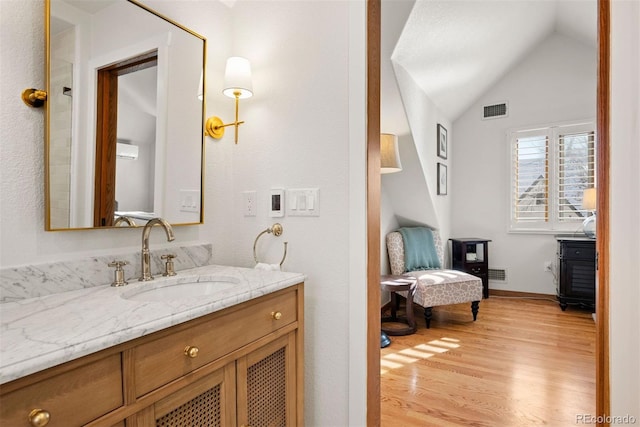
{"x":576,"y":171}
{"x":531,"y":178}
{"x":550,"y":168}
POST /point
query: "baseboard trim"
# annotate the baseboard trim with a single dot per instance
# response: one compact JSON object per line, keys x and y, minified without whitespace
{"x":517,"y":294}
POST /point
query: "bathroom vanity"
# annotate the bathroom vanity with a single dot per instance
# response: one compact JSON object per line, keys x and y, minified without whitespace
{"x":125,"y":357}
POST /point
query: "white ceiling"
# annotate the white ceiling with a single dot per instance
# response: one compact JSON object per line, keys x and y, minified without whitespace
{"x":456,"y":49}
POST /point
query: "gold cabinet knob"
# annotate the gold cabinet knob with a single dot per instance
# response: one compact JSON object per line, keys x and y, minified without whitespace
{"x":276,"y":315}
{"x":191,"y":351}
{"x":39,"y":417}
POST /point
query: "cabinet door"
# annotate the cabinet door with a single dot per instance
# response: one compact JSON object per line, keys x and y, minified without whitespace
{"x":267,"y":385}
{"x":207,"y":402}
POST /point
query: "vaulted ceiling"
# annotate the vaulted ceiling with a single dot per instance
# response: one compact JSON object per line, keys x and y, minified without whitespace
{"x":456,"y":49}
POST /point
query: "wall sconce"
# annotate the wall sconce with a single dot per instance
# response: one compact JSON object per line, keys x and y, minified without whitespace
{"x":237,"y":85}
{"x":389,"y":154}
{"x":34,"y":97}
{"x":589,"y":204}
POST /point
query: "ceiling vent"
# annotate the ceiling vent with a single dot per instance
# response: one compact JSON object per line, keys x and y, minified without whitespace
{"x":495,"y":111}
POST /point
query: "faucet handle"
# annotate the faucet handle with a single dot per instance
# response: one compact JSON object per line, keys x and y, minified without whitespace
{"x":168,"y":266}
{"x":118,"y":274}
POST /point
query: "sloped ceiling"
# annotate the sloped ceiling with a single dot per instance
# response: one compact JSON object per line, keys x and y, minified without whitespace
{"x":456,"y":50}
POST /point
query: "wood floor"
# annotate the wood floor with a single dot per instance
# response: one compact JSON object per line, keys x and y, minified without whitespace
{"x":522,"y":363}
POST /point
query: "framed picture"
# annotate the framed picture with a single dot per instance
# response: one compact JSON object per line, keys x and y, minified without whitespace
{"x":442,"y":141}
{"x":442,"y":179}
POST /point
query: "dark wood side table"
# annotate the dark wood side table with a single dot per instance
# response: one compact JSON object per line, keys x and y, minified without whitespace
{"x":471,"y":255}
{"x":394,"y":325}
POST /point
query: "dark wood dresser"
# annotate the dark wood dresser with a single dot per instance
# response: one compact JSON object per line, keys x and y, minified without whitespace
{"x":576,"y":280}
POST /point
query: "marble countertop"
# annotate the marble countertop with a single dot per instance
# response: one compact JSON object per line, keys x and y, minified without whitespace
{"x":38,"y":333}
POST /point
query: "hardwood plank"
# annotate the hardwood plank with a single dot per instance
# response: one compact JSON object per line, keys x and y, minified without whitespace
{"x":523,"y":362}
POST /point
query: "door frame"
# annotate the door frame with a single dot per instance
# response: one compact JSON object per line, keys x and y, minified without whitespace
{"x":603,"y":404}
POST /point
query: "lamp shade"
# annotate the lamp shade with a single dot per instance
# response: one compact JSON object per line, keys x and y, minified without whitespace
{"x":237,"y":78}
{"x":589,"y":199}
{"x":389,"y":154}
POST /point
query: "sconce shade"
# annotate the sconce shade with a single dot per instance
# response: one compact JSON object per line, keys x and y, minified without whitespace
{"x":389,"y":154}
{"x":589,"y":199}
{"x":237,"y":78}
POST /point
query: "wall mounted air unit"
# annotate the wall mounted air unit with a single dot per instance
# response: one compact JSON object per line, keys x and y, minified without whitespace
{"x":495,"y":111}
{"x":126,"y":151}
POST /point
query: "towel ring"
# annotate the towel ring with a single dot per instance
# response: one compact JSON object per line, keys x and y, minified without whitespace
{"x":276,"y":229}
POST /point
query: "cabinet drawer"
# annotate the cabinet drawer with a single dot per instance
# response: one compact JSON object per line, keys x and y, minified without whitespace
{"x":477,"y":270}
{"x":166,"y":358}
{"x":576,"y":250}
{"x":72,"y":398}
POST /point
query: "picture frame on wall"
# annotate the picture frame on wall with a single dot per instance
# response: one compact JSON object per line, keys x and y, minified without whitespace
{"x":442,"y":141}
{"x":442,"y":179}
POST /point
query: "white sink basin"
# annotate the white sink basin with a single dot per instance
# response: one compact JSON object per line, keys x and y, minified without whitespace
{"x":208,"y":288}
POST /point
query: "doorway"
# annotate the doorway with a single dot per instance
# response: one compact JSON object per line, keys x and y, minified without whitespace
{"x":373,"y":211}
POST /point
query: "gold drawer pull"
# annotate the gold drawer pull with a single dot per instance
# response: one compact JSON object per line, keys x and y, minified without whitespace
{"x":190,"y":351}
{"x":276,"y":315}
{"x":39,"y":417}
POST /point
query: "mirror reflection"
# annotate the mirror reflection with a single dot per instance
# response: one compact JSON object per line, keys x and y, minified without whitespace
{"x":125,"y":119}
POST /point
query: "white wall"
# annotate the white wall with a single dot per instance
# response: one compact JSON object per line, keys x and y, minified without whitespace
{"x":304,"y":128}
{"x":297,"y":135}
{"x":624,"y":240}
{"x":555,"y":82}
{"x":420,"y":187}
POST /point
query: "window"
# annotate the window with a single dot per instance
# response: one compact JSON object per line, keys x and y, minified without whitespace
{"x":550,"y":168}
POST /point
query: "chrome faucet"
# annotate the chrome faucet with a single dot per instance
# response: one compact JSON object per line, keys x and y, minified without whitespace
{"x":146,"y":258}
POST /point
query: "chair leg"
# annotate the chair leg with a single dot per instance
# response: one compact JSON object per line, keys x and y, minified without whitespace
{"x":474,"y":309}
{"x":427,"y":316}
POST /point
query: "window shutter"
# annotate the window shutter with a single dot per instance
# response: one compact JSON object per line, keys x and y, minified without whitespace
{"x":575,"y":171}
{"x":531,"y":179}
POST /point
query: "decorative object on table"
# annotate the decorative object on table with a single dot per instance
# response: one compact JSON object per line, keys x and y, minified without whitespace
{"x":389,"y":154}
{"x":589,"y":197}
{"x":442,"y":141}
{"x":442,"y":179}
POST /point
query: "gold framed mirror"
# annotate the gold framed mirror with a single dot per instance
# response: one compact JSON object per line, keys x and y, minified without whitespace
{"x":125,"y":116}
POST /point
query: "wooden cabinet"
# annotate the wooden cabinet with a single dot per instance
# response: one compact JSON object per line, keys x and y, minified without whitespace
{"x":576,"y":272}
{"x":239,"y":366}
{"x":471,"y":255}
{"x":73,"y":394}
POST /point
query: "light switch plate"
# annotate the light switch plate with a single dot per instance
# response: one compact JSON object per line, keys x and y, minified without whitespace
{"x":303,"y":202}
{"x":189,"y":201}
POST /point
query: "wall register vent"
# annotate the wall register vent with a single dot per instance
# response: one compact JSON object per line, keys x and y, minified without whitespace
{"x":495,"y":111}
{"x":498,"y":274}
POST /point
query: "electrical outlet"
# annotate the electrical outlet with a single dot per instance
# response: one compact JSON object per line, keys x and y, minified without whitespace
{"x":547,"y":266}
{"x":249,"y":203}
